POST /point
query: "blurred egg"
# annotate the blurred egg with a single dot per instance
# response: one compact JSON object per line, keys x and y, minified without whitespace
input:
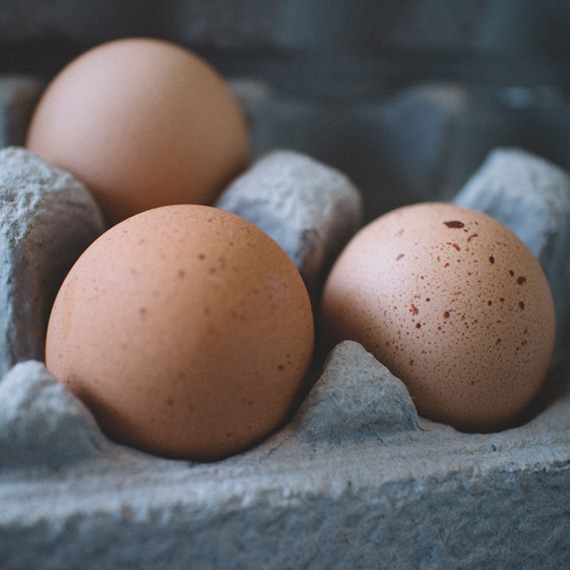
{"x":454,"y":304}
{"x":186,"y":330}
{"x":143,"y":123}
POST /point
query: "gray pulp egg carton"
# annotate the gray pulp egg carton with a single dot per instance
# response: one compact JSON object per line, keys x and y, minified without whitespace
{"x":355,"y":479}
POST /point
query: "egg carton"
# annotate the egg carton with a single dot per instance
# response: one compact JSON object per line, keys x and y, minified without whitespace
{"x":355,"y":479}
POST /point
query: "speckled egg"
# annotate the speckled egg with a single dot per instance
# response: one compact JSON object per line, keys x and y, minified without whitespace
{"x":186,"y":330}
{"x":454,"y":304}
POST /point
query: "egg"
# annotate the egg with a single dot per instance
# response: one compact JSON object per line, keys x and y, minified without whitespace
{"x":454,"y":304}
{"x":142,"y":123}
{"x":186,"y":330}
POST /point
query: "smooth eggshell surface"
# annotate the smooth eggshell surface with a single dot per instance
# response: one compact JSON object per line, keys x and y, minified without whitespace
{"x":143,"y":123}
{"x":186,"y":330}
{"x":454,"y":304}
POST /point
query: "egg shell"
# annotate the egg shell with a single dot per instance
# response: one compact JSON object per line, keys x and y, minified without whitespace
{"x":454,"y":304}
{"x":186,"y":330}
{"x":143,"y":123}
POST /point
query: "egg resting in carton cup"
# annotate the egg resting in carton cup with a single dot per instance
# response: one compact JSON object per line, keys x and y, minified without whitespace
{"x":454,"y":304}
{"x":142,"y":123}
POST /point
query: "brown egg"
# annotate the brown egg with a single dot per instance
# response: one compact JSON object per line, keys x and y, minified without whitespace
{"x":186,"y":330}
{"x":143,"y":123}
{"x":454,"y":304}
